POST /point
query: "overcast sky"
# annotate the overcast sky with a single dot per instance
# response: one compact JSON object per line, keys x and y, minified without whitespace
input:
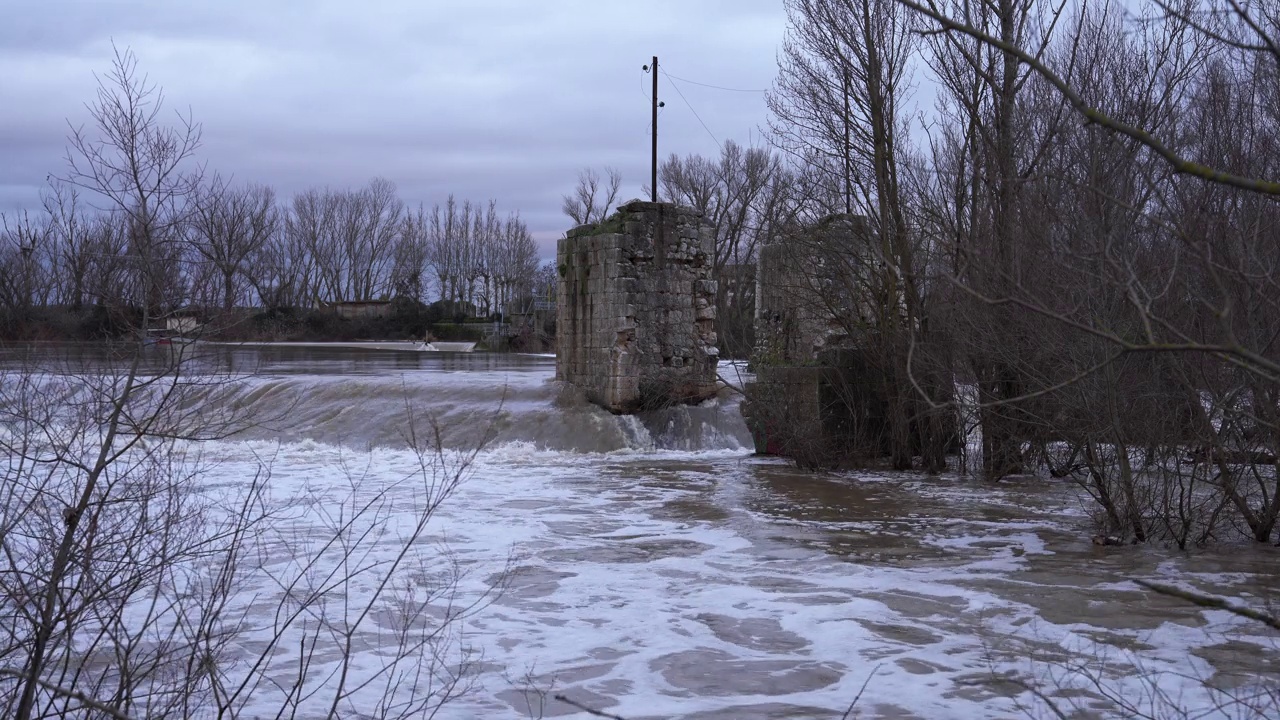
{"x":480,"y":98}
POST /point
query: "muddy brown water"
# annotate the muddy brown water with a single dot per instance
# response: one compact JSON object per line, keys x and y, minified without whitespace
{"x":664,"y":572}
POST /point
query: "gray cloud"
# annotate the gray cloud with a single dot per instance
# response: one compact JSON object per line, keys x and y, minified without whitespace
{"x":483,"y":99}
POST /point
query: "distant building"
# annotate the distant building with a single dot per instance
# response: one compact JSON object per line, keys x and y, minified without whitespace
{"x":359,"y":309}
{"x":181,"y":325}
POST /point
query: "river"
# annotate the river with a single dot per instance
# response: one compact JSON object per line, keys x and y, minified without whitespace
{"x":660,"y":570}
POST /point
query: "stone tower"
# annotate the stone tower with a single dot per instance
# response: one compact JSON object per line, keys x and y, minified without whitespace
{"x":635,"y":308}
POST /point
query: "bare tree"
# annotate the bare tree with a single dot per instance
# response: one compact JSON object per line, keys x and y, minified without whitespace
{"x":991,"y":143}
{"x":125,"y":577}
{"x":518,"y":261}
{"x":593,"y":197}
{"x":229,"y":225}
{"x":486,"y":242}
{"x":369,"y":223}
{"x":450,"y":229}
{"x":839,"y":103}
{"x":1154,"y":213}
{"x":478,"y":258}
{"x":110,"y":268}
{"x":130,"y":587}
{"x":142,"y":169}
{"x":349,"y":238}
{"x":70,"y":239}
{"x":408,"y":272}
{"x":282,"y":270}
{"x":22,"y":242}
{"x":746,"y":195}
{"x":310,"y":229}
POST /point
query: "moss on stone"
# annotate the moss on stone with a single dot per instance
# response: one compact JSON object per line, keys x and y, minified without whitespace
{"x":615,"y":223}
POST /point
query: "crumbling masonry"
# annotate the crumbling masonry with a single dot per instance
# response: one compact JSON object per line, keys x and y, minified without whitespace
{"x":635,"y":310}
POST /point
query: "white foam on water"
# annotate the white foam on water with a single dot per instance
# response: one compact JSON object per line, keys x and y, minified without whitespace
{"x":655,"y":583}
{"x":657,"y":580}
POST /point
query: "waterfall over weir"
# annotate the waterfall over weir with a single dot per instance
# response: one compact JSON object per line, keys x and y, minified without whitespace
{"x":361,"y":398}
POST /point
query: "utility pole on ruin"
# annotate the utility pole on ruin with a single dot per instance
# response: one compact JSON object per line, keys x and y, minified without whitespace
{"x":848,"y":170}
{"x":653,"y":175}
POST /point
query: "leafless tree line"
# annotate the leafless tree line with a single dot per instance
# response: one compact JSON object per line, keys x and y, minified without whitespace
{"x":236,"y":246}
{"x":1080,"y":234}
{"x":1085,"y":217}
{"x":174,"y":236}
{"x":478,"y":257}
{"x":1115,"y":293}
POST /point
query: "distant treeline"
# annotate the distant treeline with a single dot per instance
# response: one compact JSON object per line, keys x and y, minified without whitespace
{"x":223,"y":246}
{"x":133,"y":221}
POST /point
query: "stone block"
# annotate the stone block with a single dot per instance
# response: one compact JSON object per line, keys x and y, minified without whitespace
{"x":635,"y":332}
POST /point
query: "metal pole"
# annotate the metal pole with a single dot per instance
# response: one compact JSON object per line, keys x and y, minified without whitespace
{"x":653,"y":177}
{"x":848,"y":171}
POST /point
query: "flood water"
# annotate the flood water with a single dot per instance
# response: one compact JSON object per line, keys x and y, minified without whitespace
{"x":659,"y":570}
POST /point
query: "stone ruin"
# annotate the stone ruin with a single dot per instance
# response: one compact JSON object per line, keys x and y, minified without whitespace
{"x":804,"y":284}
{"x":635,"y":308}
{"x":819,"y":394}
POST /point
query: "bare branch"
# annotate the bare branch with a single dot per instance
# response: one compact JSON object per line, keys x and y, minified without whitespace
{"x":1212,"y":603}
{"x":1094,"y":115}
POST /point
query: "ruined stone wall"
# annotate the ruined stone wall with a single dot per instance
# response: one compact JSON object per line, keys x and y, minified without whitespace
{"x":635,"y":312}
{"x":821,"y":394}
{"x":810,"y":290}
{"x":791,"y":325}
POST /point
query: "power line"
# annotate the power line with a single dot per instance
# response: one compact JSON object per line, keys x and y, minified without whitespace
{"x":708,"y":85}
{"x":690,"y":106}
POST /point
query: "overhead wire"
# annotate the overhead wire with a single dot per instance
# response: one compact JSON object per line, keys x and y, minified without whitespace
{"x":709,"y":85}
{"x":672,"y":80}
{"x":690,"y":106}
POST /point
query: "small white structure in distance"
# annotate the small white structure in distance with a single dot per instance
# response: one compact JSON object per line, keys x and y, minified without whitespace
{"x":446,"y":347}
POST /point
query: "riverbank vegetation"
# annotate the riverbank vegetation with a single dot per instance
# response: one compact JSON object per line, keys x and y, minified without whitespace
{"x":1081,"y":228}
{"x":398,"y":320}
{"x":178,"y":239}
{"x":1082,"y":213}
{"x":1068,"y":244}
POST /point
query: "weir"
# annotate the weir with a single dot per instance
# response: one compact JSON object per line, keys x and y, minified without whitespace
{"x":635,"y":312}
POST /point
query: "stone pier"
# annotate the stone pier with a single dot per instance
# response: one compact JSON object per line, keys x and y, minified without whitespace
{"x":821,"y":394}
{"x":635,"y":312}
